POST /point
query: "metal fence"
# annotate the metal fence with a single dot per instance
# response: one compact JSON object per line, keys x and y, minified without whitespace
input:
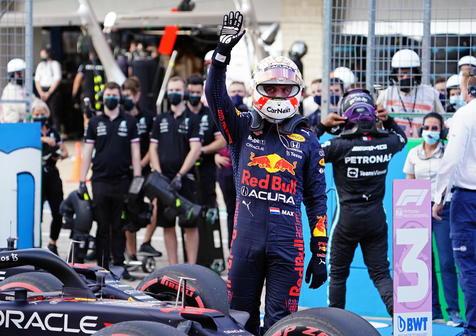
{"x":363,"y":35}
{"x":16,"y":41}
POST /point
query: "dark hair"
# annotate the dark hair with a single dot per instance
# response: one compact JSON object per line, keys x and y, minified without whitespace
{"x":132,"y":84}
{"x":436,"y":116}
{"x":316,"y":81}
{"x":195,"y":80}
{"x":439,"y":80}
{"x":112,"y":86}
{"x":337,"y":81}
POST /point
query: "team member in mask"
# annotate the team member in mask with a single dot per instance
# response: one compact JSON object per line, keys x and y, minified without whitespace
{"x":407,"y":94}
{"x":14,"y":90}
{"x":52,"y":150}
{"x":312,"y":104}
{"x":113,"y":136}
{"x":423,"y":162}
{"x":175,"y":146}
{"x":212,"y":142}
{"x":454,"y":97}
{"x":131,"y":90}
{"x":277,"y":163}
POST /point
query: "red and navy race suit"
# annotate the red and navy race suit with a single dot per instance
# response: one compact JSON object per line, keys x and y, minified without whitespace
{"x":360,"y":164}
{"x":273,"y":174}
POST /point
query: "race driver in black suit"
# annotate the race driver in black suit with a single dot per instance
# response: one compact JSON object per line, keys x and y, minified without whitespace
{"x":360,"y":156}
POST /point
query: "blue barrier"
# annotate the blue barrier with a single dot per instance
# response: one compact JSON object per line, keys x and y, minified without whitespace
{"x":362,"y":297}
{"x":20,"y":184}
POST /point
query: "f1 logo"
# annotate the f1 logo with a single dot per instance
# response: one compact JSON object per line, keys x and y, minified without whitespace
{"x":416,"y":196}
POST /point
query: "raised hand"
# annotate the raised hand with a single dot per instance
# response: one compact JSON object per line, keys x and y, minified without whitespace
{"x":230,"y":34}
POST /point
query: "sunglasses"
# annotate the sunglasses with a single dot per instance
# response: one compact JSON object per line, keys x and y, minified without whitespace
{"x":431,"y":128}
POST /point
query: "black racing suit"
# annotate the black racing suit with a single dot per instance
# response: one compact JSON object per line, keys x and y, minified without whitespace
{"x":274,"y":173}
{"x":360,"y":165}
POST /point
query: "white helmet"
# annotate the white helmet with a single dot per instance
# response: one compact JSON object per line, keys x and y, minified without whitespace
{"x":405,"y":58}
{"x":345,"y":75}
{"x":282,"y":71}
{"x":452,"y":82}
{"x":16,"y":64}
{"x":467,"y":60}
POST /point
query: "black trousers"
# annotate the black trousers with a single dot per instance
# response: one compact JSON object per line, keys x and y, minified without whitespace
{"x":54,"y":103}
{"x":364,"y":224}
{"x":52,"y":192}
{"x":108,"y":201}
{"x":206,"y":194}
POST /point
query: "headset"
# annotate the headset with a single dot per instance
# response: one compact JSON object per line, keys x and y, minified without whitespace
{"x":443,"y":129}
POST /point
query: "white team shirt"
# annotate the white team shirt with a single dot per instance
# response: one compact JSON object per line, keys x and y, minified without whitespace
{"x":48,"y":73}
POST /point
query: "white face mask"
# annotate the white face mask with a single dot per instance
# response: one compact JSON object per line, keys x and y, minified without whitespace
{"x":430,"y":137}
{"x":457,"y":101}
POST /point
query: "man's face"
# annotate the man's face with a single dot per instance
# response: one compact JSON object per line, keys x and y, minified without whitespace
{"x":195,"y":89}
{"x":112,"y":93}
{"x":404,"y":74}
{"x":454,"y":92}
{"x":466,"y":67}
{"x":441,"y":88}
{"x":128,"y":94}
{"x":278,"y":90}
{"x":39,"y":112}
{"x":237,"y":89}
{"x":43,"y":54}
{"x":176,"y":86}
{"x":336,"y":89}
{"x":316,"y":89}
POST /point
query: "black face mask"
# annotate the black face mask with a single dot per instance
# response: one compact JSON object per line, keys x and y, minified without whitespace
{"x":43,"y":59}
{"x":111,"y":102}
{"x":194,"y":100}
{"x":19,"y":81}
{"x":237,"y":100}
{"x":317,"y":100}
{"x":174,"y":98}
{"x":42,"y":119}
{"x":406,"y":84}
{"x":128,"y":104}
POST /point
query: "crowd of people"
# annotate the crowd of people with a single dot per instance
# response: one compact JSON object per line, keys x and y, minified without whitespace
{"x":266,"y":158}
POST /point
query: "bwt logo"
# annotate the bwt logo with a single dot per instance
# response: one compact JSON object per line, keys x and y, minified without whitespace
{"x":412,"y":324}
{"x":416,"y":196}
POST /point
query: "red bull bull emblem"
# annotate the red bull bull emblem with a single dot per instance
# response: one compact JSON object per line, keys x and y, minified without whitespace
{"x":320,"y":229}
{"x":273,"y":163}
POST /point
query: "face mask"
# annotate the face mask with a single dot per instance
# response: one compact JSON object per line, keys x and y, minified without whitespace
{"x":42,"y":119}
{"x":406,"y":84}
{"x":111,"y":102}
{"x":128,"y":104}
{"x":174,"y":98}
{"x":442,"y":98}
{"x":237,"y":100}
{"x":43,"y":59}
{"x":317,"y":100}
{"x":194,"y":100}
{"x":457,"y":101}
{"x":19,"y":81}
{"x":334,"y":99}
{"x":430,"y":137}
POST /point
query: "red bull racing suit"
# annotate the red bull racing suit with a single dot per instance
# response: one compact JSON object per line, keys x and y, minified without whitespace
{"x":273,"y":173}
{"x":360,"y":165}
